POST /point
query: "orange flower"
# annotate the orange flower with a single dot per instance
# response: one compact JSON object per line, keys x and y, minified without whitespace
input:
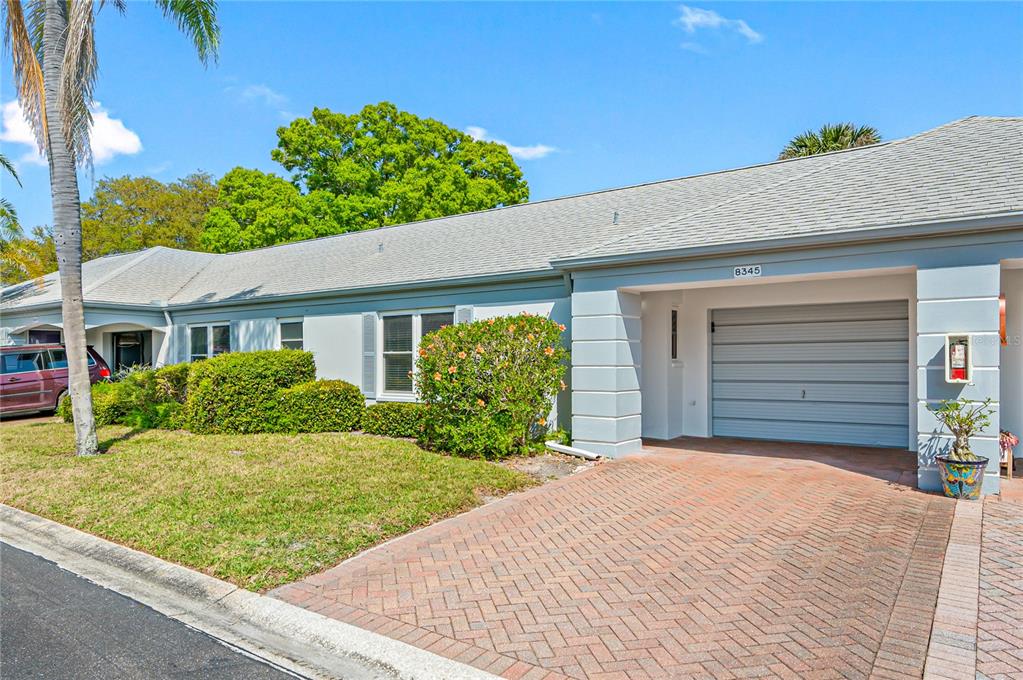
{"x":511,"y":328}
{"x":531,"y":337}
{"x":422,"y":352}
{"x":431,"y":346}
{"x":452,"y":369}
{"x":491,"y":321}
{"x":542,"y":421}
{"x":561,"y":326}
{"x":479,"y":349}
{"x":548,"y":351}
{"x":436,"y":376}
{"x":481,"y":402}
{"x":461,"y":355}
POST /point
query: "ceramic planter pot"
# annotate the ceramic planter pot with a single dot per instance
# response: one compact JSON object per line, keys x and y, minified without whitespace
{"x":961,"y":478}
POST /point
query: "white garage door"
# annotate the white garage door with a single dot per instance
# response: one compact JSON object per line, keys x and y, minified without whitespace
{"x":834,"y":374}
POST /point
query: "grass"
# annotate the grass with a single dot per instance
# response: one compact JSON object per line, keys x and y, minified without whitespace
{"x":256,"y":510}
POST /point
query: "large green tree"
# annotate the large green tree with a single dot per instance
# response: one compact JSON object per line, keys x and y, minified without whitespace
{"x":257,"y":209}
{"x":832,"y":137}
{"x":385,"y":166}
{"x":52,"y":45}
{"x":131,"y":213}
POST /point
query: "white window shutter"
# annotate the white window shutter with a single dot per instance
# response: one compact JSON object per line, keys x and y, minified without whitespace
{"x":463,"y":314}
{"x":369,"y":354}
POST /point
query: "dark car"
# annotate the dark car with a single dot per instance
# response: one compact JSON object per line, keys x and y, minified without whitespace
{"x":34,"y":377}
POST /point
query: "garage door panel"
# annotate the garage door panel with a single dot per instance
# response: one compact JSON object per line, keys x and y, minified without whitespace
{"x":817,"y":373}
{"x":814,"y":351}
{"x":814,"y":411}
{"x":813,"y":372}
{"x":837,"y":331}
{"x":854,"y":311}
{"x":865,"y":393}
{"x":818,"y":433}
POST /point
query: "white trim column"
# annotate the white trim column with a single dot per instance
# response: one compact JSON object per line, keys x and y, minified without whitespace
{"x":606,"y":358}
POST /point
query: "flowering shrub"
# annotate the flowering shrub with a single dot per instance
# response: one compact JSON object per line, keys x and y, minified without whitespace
{"x":490,"y":384}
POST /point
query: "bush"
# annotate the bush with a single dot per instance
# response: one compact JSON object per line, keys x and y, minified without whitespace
{"x":108,"y":404}
{"x":237,"y":392}
{"x":394,"y":419}
{"x":489,"y":385}
{"x":172,"y":382}
{"x":320,"y":406}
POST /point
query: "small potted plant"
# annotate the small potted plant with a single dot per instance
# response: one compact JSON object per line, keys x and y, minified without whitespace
{"x":1007,"y":441}
{"x":962,"y":471}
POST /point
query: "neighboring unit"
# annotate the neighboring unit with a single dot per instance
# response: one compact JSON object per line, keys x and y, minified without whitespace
{"x":808,"y":300}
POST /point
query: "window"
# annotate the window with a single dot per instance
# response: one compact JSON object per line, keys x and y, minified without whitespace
{"x":37,"y":337}
{"x":21,"y":362}
{"x":398,"y":353}
{"x":58,"y":359}
{"x":674,"y":335}
{"x":209,"y":341}
{"x":401,"y":335}
{"x":291,"y":334}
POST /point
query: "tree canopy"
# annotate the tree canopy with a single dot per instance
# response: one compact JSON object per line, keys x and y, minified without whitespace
{"x":384,"y":166}
{"x":831,"y":137}
{"x":257,"y":209}
{"x":131,"y":213}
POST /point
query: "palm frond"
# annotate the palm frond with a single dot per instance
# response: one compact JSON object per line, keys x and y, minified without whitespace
{"x":78,"y":79}
{"x":198,"y":20}
{"x":7,"y":165}
{"x":10,"y":227}
{"x":23,"y":39}
{"x":830,"y":137}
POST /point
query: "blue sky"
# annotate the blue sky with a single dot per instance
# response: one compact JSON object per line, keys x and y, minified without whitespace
{"x":590,"y":95}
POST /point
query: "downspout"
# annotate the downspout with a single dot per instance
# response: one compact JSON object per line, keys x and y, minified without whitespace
{"x":167,"y":337}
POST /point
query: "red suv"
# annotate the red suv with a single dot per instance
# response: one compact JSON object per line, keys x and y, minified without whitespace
{"x":34,"y":377}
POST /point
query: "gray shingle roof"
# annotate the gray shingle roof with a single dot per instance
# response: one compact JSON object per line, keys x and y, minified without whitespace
{"x":971,"y":167}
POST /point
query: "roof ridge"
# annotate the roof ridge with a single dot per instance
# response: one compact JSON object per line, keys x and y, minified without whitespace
{"x":117,"y":271}
{"x":214,"y":257}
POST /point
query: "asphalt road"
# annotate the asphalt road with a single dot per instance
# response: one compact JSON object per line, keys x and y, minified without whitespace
{"x":54,"y":624}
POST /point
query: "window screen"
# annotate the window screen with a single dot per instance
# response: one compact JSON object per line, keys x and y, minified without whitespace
{"x":221,"y":340}
{"x":199,"y":342}
{"x":432,"y":322}
{"x":674,"y":334}
{"x":291,"y":334}
{"x":398,"y":353}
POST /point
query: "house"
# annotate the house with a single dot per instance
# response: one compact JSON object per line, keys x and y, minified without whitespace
{"x":806,"y":300}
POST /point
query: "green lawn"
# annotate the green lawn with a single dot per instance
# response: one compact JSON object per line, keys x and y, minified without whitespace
{"x":256,"y":510}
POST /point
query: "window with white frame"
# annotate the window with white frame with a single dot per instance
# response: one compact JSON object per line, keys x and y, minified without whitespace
{"x":208,"y":340}
{"x":401,"y":336}
{"x":291,"y":332}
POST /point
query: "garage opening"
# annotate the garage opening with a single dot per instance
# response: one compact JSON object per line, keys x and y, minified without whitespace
{"x":830,"y":374}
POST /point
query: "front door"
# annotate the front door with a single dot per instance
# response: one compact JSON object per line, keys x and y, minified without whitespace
{"x":128,"y":350}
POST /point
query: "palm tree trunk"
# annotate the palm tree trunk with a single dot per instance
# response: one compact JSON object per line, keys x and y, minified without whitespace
{"x":67,"y":219}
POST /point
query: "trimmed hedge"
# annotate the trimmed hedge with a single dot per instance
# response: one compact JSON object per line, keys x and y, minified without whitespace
{"x":172,"y":382}
{"x":108,"y":405}
{"x":236,"y":393}
{"x":320,"y":406}
{"x":394,"y":419}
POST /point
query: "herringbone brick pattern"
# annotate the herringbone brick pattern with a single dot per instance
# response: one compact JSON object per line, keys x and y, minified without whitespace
{"x":1000,"y":633}
{"x":680,"y":564}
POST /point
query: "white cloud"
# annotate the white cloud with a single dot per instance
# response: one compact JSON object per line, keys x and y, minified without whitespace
{"x":264,"y":95}
{"x":692,"y":19}
{"x":526,"y":153}
{"x":108,"y":137}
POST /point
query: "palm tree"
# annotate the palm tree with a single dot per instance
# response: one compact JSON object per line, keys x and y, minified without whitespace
{"x":53,"y":52}
{"x":10,"y":227}
{"x":830,"y":138}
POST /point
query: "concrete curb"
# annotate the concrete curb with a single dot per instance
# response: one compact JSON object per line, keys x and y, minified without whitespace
{"x":292,"y":638}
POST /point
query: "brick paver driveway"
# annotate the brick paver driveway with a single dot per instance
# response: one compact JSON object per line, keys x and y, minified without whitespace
{"x":1000,"y":629}
{"x":711,"y":559}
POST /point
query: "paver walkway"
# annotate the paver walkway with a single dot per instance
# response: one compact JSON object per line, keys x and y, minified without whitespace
{"x":769,"y":560}
{"x":1000,"y":634}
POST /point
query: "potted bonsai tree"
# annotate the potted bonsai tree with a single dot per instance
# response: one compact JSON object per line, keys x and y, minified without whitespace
{"x":961,"y":470}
